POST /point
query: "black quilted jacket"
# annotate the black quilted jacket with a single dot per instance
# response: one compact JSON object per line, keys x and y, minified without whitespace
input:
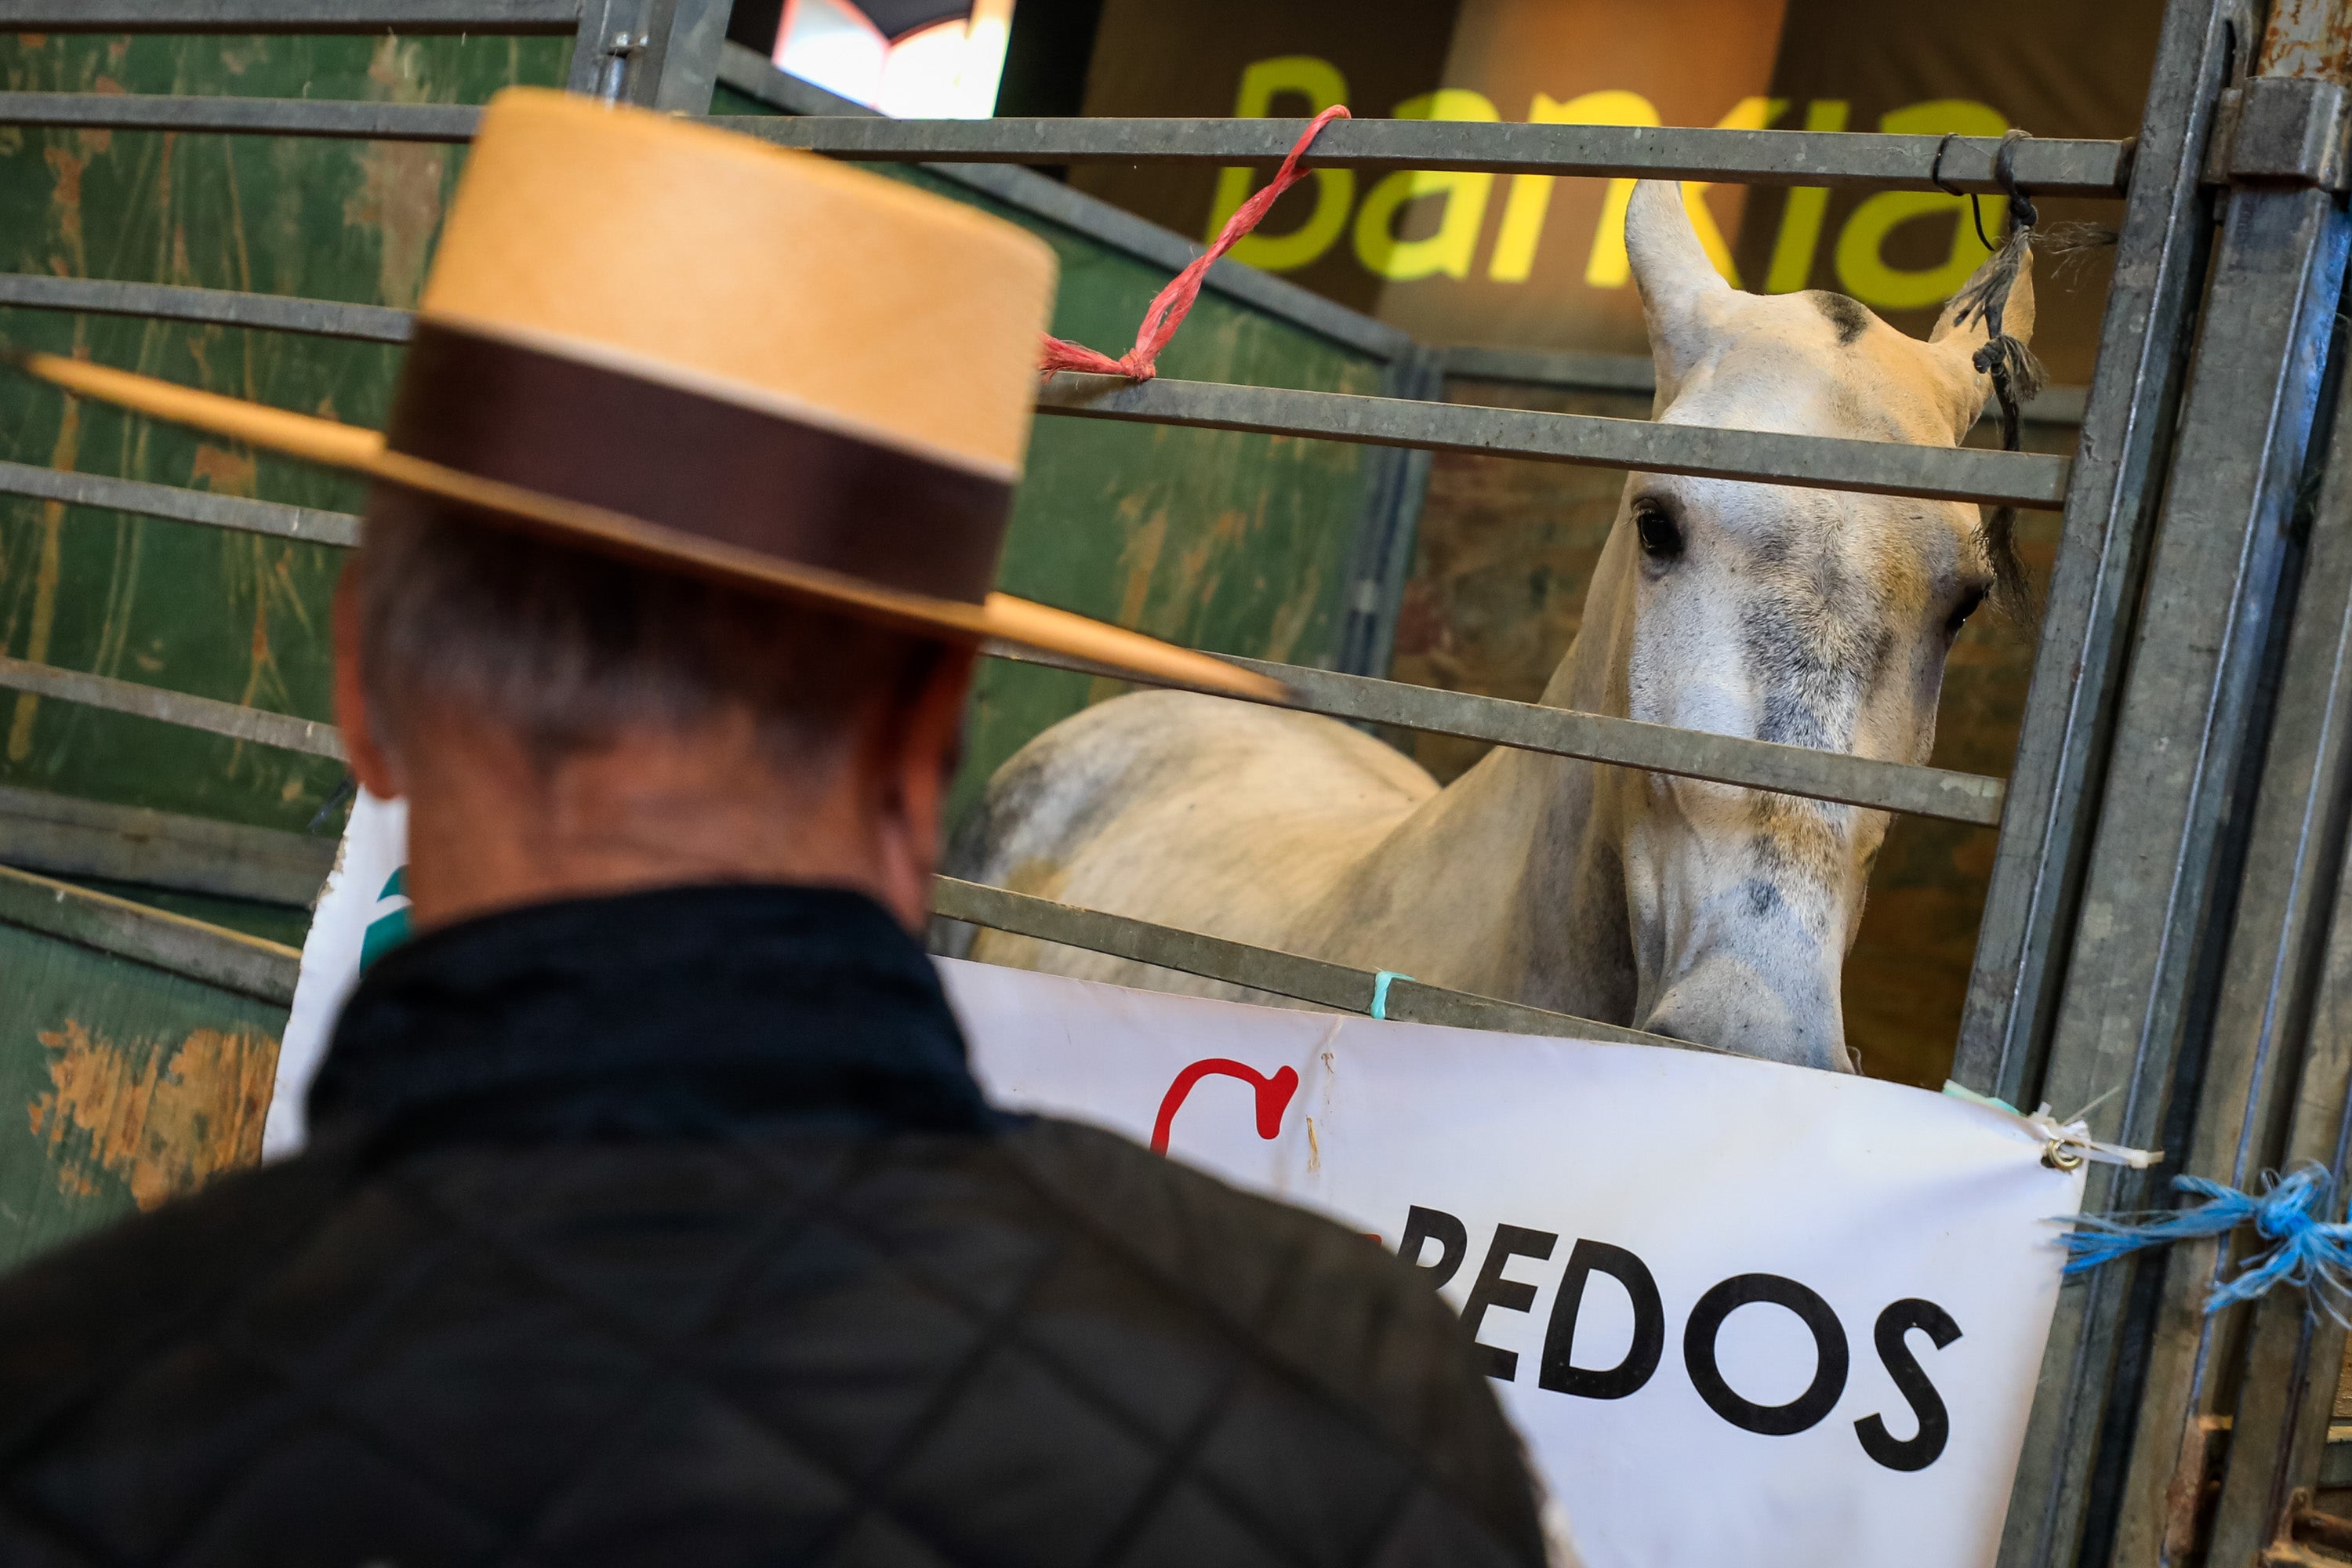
{"x":671,"y":1229}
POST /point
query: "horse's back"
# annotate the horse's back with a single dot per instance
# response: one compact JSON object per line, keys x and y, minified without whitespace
{"x":1190,"y":810}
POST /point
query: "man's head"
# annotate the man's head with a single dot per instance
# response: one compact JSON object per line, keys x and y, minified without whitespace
{"x":564,"y":723}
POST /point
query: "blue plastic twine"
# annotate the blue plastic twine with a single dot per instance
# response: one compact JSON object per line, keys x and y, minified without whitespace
{"x":2306,"y":1249}
{"x":1381,"y":991}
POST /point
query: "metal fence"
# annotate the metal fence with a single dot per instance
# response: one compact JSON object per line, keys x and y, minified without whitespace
{"x":2161,"y":935}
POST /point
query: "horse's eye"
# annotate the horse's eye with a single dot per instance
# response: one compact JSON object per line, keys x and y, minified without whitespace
{"x":1661,"y":537}
{"x":1963,"y":610}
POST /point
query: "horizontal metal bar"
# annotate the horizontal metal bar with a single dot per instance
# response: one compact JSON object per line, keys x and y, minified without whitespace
{"x":220,"y":307}
{"x":1119,"y":230}
{"x":233,"y":720}
{"x":493,"y":16}
{"x":2023,"y":478}
{"x":1724,"y":759}
{"x":180,"y":504}
{"x":1754,"y":157}
{"x":195,"y":949}
{"x":1755,"y":764}
{"x":1882,"y":468}
{"x":1580,"y":370}
{"x":1302,"y":979}
{"x":1625,"y":743}
{"x":61,"y":835}
{"x":258,"y":116}
{"x":2048,"y":167}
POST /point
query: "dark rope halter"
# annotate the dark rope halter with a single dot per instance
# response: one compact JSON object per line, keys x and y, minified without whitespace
{"x":2016,"y":374}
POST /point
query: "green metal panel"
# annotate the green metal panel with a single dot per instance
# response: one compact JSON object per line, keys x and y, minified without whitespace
{"x":121,"y":1086}
{"x":223,"y":615}
{"x":286,"y":924}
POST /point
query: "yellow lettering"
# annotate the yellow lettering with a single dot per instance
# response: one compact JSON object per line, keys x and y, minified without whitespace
{"x":1801,"y":213}
{"x":1530,"y":199}
{"x":1606,"y":268}
{"x":1448,"y":250}
{"x":1319,"y":82}
{"x":1861,"y":259}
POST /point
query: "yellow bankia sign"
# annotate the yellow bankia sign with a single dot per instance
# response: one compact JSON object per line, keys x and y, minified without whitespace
{"x":1456,"y":241}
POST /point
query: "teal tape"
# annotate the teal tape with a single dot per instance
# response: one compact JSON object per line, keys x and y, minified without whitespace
{"x":1381,"y":991}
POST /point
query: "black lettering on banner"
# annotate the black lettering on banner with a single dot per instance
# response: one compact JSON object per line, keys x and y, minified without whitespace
{"x":1910,"y":1381}
{"x":1512,"y":1294}
{"x":1453,"y":1241}
{"x":1559,"y":1371}
{"x":1829,"y":1346}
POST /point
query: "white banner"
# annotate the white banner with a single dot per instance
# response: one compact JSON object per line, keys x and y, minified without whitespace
{"x":1742,"y":1313}
{"x":363,"y":909}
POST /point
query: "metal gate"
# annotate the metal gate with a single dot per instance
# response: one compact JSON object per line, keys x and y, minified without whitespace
{"x":2163,"y":931}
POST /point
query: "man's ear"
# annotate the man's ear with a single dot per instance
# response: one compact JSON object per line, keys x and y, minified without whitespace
{"x":920,"y":743}
{"x":369,"y":761}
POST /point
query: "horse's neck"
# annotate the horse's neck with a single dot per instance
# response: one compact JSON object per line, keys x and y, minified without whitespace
{"x":1509,"y":880}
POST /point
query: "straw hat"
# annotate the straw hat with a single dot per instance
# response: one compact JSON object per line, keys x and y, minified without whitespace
{"x":647,"y":337}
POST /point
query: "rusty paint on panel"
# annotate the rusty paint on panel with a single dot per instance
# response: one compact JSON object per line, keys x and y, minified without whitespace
{"x":160,"y":1122}
{"x":2308,"y":39}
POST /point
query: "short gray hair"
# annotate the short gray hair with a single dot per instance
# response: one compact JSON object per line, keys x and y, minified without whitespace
{"x":570,"y":647}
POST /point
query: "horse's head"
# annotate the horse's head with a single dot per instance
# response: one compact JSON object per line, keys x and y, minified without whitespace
{"x":1812,"y":617}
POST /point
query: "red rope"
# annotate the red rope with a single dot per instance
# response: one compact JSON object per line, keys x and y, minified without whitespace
{"x":1168,"y":311}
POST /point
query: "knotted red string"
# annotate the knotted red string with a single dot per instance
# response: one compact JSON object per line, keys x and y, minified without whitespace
{"x":1175,"y":301}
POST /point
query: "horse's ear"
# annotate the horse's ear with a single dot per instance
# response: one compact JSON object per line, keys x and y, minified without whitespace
{"x":1681,"y":290}
{"x":1961,"y":330}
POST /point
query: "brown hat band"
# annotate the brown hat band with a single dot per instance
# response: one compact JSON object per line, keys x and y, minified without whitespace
{"x":699,"y":464}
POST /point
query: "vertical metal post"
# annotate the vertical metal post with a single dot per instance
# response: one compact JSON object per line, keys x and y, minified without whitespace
{"x":658,"y":54}
{"x":2053,"y":787}
{"x":2262,"y":1062}
{"x":681,"y":64}
{"x":1379,"y":557}
{"x":2286,"y":1384}
{"x":2157,"y":893}
{"x":601,"y":48}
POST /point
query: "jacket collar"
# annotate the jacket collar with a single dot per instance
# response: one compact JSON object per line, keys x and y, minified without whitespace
{"x":649,"y":1012}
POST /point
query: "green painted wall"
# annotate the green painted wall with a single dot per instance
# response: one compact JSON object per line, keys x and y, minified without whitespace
{"x":121,"y":1086}
{"x":223,"y":615}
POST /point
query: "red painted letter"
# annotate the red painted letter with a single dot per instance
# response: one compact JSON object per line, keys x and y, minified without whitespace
{"x":1273,"y":1096}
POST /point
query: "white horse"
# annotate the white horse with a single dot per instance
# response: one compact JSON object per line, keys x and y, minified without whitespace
{"x":1697,"y":910}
